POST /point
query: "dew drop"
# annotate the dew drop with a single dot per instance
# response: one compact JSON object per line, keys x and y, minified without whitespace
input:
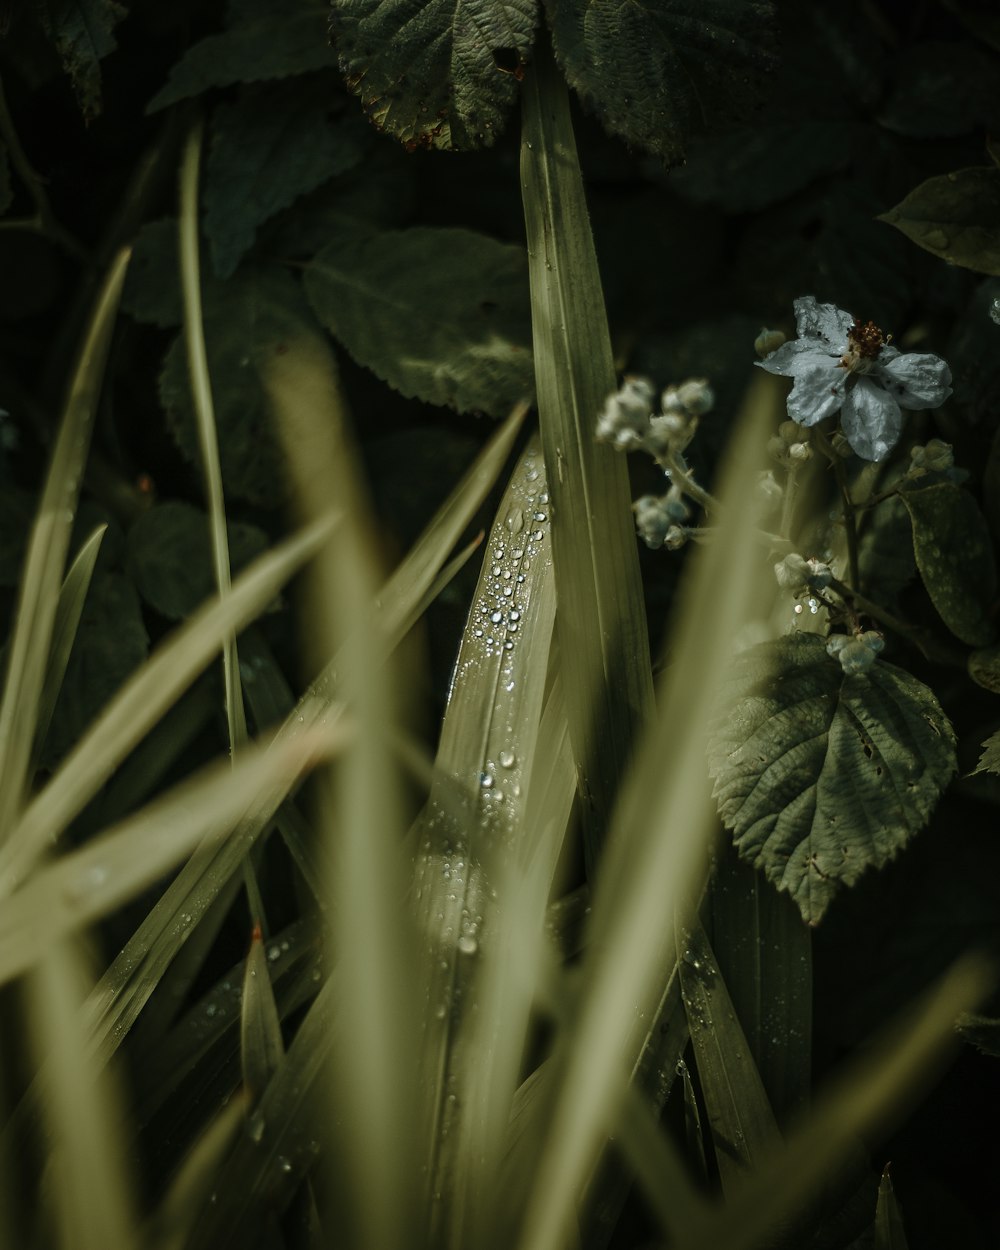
{"x":507,"y":759}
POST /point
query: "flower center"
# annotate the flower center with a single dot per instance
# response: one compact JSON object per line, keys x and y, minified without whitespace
{"x":864,"y":342}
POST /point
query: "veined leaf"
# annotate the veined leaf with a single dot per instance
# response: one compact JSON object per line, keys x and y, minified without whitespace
{"x":440,"y":314}
{"x":275,"y":142}
{"x":654,"y":70}
{"x":951,"y":542}
{"x":955,"y":216}
{"x":989,"y":760}
{"x":442,"y":74}
{"x":820,"y":775}
{"x":261,"y":42}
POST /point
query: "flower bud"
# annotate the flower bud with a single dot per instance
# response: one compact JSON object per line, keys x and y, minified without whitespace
{"x":696,"y":396}
{"x":624,"y":421}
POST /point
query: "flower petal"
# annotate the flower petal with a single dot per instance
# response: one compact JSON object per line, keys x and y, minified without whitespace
{"x":791,"y":358}
{"x":818,"y":392}
{"x":871,"y":419}
{"x":823,"y":321}
{"x":916,"y":380}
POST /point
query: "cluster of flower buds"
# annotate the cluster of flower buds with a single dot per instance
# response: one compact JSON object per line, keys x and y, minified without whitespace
{"x":796,"y":573}
{"x":628,"y":423}
{"x":788,"y":446}
{"x":658,"y":517}
{"x":856,"y":652}
{"x":933,"y":457}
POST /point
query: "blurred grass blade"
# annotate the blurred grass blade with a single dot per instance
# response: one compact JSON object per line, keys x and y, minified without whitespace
{"x":261,"y":1044}
{"x":88,"y":883}
{"x":764,"y":952}
{"x":602,"y":622}
{"x":470,"y":836}
{"x":174,"y":1219}
{"x":889,"y":1231}
{"x":69,"y":608}
{"x":739,"y":1115}
{"x":693,"y":1134}
{"x":860,"y":1099}
{"x":137,"y":706}
{"x":655,"y":858}
{"x":34,"y":617}
{"x":371,"y":935}
{"x":90,"y":1180}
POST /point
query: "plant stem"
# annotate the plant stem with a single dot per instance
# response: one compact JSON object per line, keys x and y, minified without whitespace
{"x":850,"y":529}
{"x":930,"y":647}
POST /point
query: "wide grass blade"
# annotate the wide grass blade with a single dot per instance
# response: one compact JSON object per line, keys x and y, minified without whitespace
{"x":602,"y":624}
{"x":655,"y":859}
{"x":29,"y":645}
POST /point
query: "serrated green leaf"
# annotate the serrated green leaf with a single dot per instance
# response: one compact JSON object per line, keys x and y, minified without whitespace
{"x":271,"y":145}
{"x":247,"y":319}
{"x":889,"y":1231}
{"x":262,"y":42}
{"x":955,"y":216}
{"x":984,"y":667}
{"x":654,"y":72}
{"x":440,"y":314}
{"x":81,"y":30}
{"x":168,"y":558}
{"x":885,"y":550}
{"x":951,"y":543}
{"x":442,"y":74}
{"x":989,"y":759}
{"x":820,"y":775}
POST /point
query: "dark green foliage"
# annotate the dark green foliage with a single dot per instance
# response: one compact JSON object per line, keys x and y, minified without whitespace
{"x":942,"y":88}
{"x":955,"y":217}
{"x":82,"y":33}
{"x":152,"y":287}
{"x":246,"y":320}
{"x":822,"y":776}
{"x":442,"y":74}
{"x":262,"y":41}
{"x":169,"y":557}
{"x":951,"y":543}
{"x":439,"y":314}
{"x":275,"y":142}
{"x":658,"y":70}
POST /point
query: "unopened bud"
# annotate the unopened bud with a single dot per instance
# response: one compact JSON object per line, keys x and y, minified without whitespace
{"x":768,"y":341}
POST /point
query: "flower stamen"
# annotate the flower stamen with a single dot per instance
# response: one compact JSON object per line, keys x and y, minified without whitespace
{"x":864,"y":342}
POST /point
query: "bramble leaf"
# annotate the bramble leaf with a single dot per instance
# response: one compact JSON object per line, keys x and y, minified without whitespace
{"x":247,"y":319}
{"x":169,"y":560}
{"x":440,"y":314}
{"x":822,"y":775}
{"x":989,"y":760}
{"x":81,"y":31}
{"x":152,"y":292}
{"x":271,"y":145}
{"x":261,"y":42}
{"x":436,"y":74}
{"x":955,"y":216}
{"x":951,"y":542}
{"x":654,"y":71}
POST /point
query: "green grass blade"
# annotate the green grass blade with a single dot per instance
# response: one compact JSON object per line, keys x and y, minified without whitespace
{"x":739,"y":1115}
{"x":72,"y":597}
{"x":90,"y":1179}
{"x":655,"y":858}
{"x":890,"y":1233}
{"x":764,"y":952}
{"x":142,"y":700}
{"x":485,"y":766}
{"x":261,"y":1044}
{"x":28,"y":649}
{"x":88,"y":883}
{"x":602,"y":623}
{"x":862,"y":1098}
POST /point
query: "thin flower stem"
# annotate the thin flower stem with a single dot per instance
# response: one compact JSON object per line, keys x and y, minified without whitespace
{"x":931,"y":648}
{"x":682,"y":478}
{"x":850,"y":529}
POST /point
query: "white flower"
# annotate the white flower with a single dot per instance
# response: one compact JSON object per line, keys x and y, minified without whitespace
{"x":841,"y":365}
